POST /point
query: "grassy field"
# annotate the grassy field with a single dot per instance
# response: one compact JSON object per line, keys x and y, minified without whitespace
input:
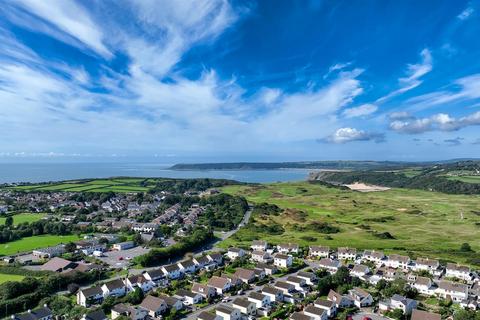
{"x":469,"y":179}
{"x":421,"y":222}
{"x":10,"y":277}
{"x":30,"y":243}
{"x":98,"y":185}
{"x":24,"y":217}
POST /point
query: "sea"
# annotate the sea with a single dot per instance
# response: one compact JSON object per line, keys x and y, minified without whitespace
{"x":44,"y":172}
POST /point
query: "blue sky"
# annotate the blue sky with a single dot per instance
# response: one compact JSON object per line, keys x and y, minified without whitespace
{"x":220,"y":80}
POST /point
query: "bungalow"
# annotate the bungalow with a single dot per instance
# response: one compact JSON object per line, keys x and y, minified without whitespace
{"x":329,"y":264}
{"x":346,"y":253}
{"x":259,"y":245}
{"x":453,"y":290}
{"x":172,"y":271}
{"x":246,"y":275}
{"x":188,"y":297}
{"x":424,"y":285}
{"x":376,"y":257}
{"x":114,"y":288}
{"x":261,"y":256}
{"x":139,"y":281}
{"x":276,"y":295}
{"x":260,"y":300}
{"x":220,"y":284}
{"x":282,"y":260}
{"x":288,"y":248}
{"x":339,"y":300}
{"x":235,"y":253}
{"x":285,"y":287}
{"x":310,"y":277}
{"x":187,"y":266}
{"x":172,"y":303}
{"x":398,"y":302}
{"x":299,"y":283}
{"x":245,"y":306}
{"x":204,"y":315}
{"x":57,"y":264}
{"x":425,"y":264}
{"x":424,"y":315}
{"x":228,"y":313}
{"x":89,"y":296}
{"x":458,"y":271}
{"x":133,"y":313}
{"x":319,"y":252}
{"x":326,"y":305}
{"x":203,"y":290}
{"x":154,"y":306}
{"x":123,"y":245}
{"x":360,"y":297}
{"x":43,"y":313}
{"x":154,"y":275}
{"x":360,"y":270}
{"x":299,"y":316}
{"x":397,"y":261}
{"x":316,"y":313}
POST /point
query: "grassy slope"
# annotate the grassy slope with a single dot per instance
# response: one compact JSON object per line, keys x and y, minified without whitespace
{"x":24,"y":217}
{"x":436,"y":231}
{"x":30,"y":243}
{"x":10,"y":277}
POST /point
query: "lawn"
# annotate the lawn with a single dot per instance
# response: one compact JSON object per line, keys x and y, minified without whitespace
{"x":10,"y":277}
{"x":24,"y":217}
{"x":421,"y":222}
{"x":35,"y":242}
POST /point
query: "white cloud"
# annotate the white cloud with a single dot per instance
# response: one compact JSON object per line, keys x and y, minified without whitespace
{"x":344,"y":135}
{"x":360,"y":111}
{"x":436,"y":122}
{"x":465,"y":14}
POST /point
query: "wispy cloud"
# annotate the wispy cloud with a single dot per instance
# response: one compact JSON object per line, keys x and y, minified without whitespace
{"x":454,"y":142}
{"x":360,"y":111}
{"x":465,"y":14}
{"x":344,"y":135}
{"x":436,"y":122}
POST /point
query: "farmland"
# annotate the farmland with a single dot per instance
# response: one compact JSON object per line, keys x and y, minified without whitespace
{"x":24,"y":217}
{"x":401,"y":220}
{"x":10,"y":277}
{"x":30,"y":243}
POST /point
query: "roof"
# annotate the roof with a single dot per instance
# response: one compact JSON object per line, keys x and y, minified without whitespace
{"x":156,"y":273}
{"x":185,"y":293}
{"x":456,"y":267}
{"x":187,"y":263}
{"x":360,"y":268}
{"x":57,"y":263}
{"x":404,"y":300}
{"x":423,"y":281}
{"x":399,"y":258}
{"x":171,"y":267}
{"x":359,"y":292}
{"x":283,"y":285}
{"x":223,"y":308}
{"x":237,"y":250}
{"x":314,"y":310}
{"x":347,"y":250}
{"x":271,"y":290}
{"x":423,"y":315}
{"x":324,"y":303}
{"x":114,"y":284}
{"x":218,"y":282}
{"x":295,"y":279}
{"x":427,"y":262}
{"x":35,"y":314}
{"x":244,"y":273}
{"x":206,"y":316}
{"x":152,"y":303}
{"x":96,"y":315}
{"x":289,"y":246}
{"x":299,"y":316}
{"x":259,"y":243}
{"x":200,"y":287}
{"x":452,"y":286}
{"x":256,"y":295}
{"x":374,"y":254}
{"x":304,"y":274}
{"x":93,"y":291}
{"x":320,"y":248}
{"x":242,"y":302}
{"x":328,"y":262}
{"x":281,"y":256}
{"x":170,"y":301}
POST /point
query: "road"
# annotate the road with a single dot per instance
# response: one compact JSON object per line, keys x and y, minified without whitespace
{"x":242,"y":223}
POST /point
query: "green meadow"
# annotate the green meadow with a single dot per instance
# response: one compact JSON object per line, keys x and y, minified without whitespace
{"x":24,"y":217}
{"x":10,"y":277}
{"x":399,"y":220}
{"x":35,"y":242}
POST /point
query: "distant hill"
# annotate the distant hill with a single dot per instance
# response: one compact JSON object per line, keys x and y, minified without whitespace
{"x":461,"y":177}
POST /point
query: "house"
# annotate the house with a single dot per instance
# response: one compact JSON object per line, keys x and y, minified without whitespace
{"x":319,"y":251}
{"x":259,"y":245}
{"x":299,"y":283}
{"x":269,"y":269}
{"x":203,"y":290}
{"x":285,"y":287}
{"x":246,"y":275}
{"x":339,"y":300}
{"x":95,"y":315}
{"x":260,"y":300}
{"x":189,"y":297}
{"x":346,"y":253}
{"x":326,"y":305}
{"x":423,"y":285}
{"x":114,"y":288}
{"x":89,"y":296}
{"x":133,"y":313}
{"x":187,"y":266}
{"x":123,"y":245}
{"x":139,"y":281}
{"x":208,"y":316}
{"x":376,"y":257}
{"x":57,"y":264}
{"x":172,"y":303}
{"x":398,"y":302}
{"x":360,"y":297}
{"x":43,"y":313}
{"x":228,"y":313}
{"x":235,"y":253}
{"x":329,"y":264}
{"x":397,"y":261}
{"x":315,"y":313}
{"x":261,"y":256}
{"x":245,"y":306}
{"x":49,"y":252}
{"x":154,"y":306}
{"x":458,"y":271}
{"x":282,"y":260}
{"x":259,"y":274}
{"x":430,"y":265}
{"x":201,"y":261}
{"x":154,"y":275}
{"x":453,"y":290}
{"x":172,"y":271}
{"x":423,"y":315}
{"x":215,"y":257}
{"x":309,"y":277}
{"x":299,"y":316}
{"x":360,"y":271}
{"x":470,"y":303}
{"x":276,"y":295}
{"x":288,"y":248}
{"x":234,"y":281}
{"x":220,"y":284}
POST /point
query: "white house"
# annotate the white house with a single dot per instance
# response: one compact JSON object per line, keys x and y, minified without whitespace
{"x":285,"y":287}
{"x":398,"y":261}
{"x":204,"y":315}
{"x":346,"y":253}
{"x":282,"y":260}
{"x":424,"y":286}
{"x":326,"y":305}
{"x":261,"y":256}
{"x":220,"y":284}
{"x":188,"y":297}
{"x":339,"y":300}
{"x":319,"y":251}
{"x":299,"y":283}
{"x":204,"y":290}
{"x":275,"y":294}
{"x":245,"y":306}
{"x":315,"y":313}
{"x":260,"y":300}
{"x":360,"y":271}
{"x":360,"y":297}
{"x":456,"y":291}
{"x":154,"y":306}
{"x":172,"y":271}
{"x":228,"y":313}
{"x":288,"y":248}
{"x":123,"y":245}
{"x":139,"y":281}
{"x":425,"y":264}
{"x":234,"y":253}
{"x":133,"y":313}
{"x":187,"y":266}
{"x":376,"y":257}
{"x":259,"y":245}
{"x":89,"y":296}
{"x":155,"y":275}
{"x":458,"y":271}
{"x":398,"y":302}
{"x":114,"y":288}
{"x":329,"y":264}
{"x":309,"y":277}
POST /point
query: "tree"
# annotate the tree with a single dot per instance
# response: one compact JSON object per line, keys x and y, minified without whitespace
{"x":465,"y":247}
{"x":70,"y":247}
{"x":9,"y":221}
